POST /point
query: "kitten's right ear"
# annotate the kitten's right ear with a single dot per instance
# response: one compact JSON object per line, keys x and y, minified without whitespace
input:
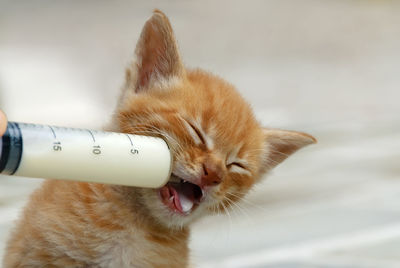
{"x":157,"y":56}
{"x":280,"y":144}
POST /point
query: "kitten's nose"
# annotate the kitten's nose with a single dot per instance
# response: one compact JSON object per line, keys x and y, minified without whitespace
{"x":210,"y":177}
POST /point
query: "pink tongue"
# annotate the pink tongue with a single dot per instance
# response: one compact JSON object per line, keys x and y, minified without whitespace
{"x":177,"y":197}
{"x":176,"y":200}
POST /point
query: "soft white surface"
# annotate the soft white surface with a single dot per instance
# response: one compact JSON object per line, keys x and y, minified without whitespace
{"x":329,"y":68}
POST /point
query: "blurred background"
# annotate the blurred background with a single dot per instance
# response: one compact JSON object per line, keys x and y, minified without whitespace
{"x":329,"y":68}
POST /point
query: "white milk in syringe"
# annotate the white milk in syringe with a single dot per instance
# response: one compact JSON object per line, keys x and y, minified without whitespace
{"x":41,"y":151}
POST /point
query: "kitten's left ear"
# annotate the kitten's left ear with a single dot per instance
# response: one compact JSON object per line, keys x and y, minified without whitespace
{"x":157,"y":56}
{"x":280,"y":144}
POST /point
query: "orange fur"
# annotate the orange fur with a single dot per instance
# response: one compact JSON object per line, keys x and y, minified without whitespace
{"x":217,"y":144}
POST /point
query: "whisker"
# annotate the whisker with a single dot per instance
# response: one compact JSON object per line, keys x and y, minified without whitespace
{"x":229,"y":216}
{"x":169,"y":137}
{"x":230,"y":206}
{"x":251,"y":204}
{"x":231,"y":202}
{"x":154,"y":130}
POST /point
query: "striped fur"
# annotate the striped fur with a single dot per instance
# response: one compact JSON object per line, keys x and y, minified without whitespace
{"x":205,"y":121}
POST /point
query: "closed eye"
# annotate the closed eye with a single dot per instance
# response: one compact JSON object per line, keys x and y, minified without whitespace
{"x":236,"y":164}
{"x":198,"y":133}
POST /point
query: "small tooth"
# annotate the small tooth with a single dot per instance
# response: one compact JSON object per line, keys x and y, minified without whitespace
{"x":171,"y":198}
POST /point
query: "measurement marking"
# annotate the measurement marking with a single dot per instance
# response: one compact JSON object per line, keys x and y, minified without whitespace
{"x":91,"y":134}
{"x":129,"y":139}
{"x":54,"y":133}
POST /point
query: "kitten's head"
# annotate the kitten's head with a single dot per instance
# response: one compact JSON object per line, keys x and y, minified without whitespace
{"x":220,"y":150}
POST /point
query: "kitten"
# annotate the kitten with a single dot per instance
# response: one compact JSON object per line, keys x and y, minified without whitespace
{"x":220,"y":152}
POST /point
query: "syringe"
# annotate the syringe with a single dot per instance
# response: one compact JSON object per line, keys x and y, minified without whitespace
{"x":41,"y":151}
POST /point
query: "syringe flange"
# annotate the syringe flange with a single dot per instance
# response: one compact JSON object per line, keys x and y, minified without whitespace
{"x":11,"y":149}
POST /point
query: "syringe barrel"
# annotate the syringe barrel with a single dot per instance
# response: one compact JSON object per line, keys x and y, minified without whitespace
{"x":50,"y":152}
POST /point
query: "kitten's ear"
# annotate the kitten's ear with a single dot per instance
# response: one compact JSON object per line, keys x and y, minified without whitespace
{"x":282,"y":143}
{"x":157,"y":56}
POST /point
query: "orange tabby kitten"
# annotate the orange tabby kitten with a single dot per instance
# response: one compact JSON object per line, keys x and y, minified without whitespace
{"x":220,"y":152}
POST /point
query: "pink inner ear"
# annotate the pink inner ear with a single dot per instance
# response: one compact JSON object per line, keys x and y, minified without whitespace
{"x":144,"y":77}
{"x":157,"y":53}
{"x":283,"y":143}
{"x":151,"y":54}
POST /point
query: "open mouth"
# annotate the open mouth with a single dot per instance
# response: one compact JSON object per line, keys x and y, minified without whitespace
{"x":180,"y":195}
